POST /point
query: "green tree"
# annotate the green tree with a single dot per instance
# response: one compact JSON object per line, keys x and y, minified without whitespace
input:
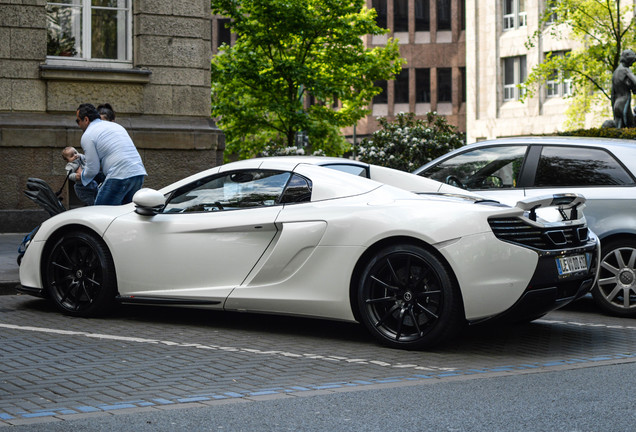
{"x":406,"y":143}
{"x":602,"y":29}
{"x":288,"y":52}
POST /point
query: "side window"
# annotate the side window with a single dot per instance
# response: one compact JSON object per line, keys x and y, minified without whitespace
{"x":229,"y":191}
{"x":484,"y":168}
{"x":298,"y":190}
{"x":567,"y":166}
{"x":350,"y":169}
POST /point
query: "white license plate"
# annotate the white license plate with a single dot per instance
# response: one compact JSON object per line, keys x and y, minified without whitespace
{"x":571,"y":264}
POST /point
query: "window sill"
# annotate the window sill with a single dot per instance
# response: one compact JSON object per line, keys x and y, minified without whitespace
{"x":75,"y":73}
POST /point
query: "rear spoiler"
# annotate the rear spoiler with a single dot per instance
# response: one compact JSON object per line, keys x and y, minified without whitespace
{"x":565,"y":202}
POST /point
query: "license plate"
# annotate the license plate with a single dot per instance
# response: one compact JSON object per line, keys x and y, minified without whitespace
{"x":571,"y":264}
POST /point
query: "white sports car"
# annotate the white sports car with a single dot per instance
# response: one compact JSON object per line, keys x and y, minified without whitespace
{"x":292,"y":236}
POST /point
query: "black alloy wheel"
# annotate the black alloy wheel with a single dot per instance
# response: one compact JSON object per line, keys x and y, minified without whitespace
{"x":615,"y":290}
{"x":79,"y":275}
{"x":407,"y":299}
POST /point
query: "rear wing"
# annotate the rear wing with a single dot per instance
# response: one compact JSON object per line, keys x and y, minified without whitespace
{"x":569,"y":205}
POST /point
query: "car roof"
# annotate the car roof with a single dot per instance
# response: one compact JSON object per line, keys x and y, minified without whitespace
{"x":623,"y":149}
{"x":312,"y":160}
{"x":388,"y":176}
{"x":560,"y":140}
{"x":335,"y":184}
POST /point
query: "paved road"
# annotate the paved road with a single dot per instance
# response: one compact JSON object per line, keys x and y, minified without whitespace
{"x":9,"y":269}
{"x":586,"y":399}
{"x":148,"y":359}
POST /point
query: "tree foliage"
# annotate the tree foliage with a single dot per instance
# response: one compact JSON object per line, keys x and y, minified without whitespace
{"x":602,"y":28}
{"x":407,"y":143}
{"x":288,"y":52}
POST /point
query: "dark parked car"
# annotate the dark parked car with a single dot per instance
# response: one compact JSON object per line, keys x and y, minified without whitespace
{"x":603,"y":170}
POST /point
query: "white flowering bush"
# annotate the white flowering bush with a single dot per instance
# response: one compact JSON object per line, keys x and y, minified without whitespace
{"x":289,"y":151}
{"x":408,"y":143}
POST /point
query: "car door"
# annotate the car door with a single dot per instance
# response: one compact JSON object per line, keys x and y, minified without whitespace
{"x":593,"y":172}
{"x":206,"y":240}
{"x":496,"y":172}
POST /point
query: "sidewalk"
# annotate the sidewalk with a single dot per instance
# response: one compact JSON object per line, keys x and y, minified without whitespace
{"x":9,"y":275}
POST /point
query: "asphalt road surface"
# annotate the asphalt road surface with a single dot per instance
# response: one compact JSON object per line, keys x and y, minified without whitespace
{"x":149,"y":368}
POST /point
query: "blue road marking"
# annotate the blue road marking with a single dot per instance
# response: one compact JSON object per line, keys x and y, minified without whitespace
{"x":295,"y":389}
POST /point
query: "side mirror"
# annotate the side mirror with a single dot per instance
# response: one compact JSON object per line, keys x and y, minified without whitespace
{"x":148,"y":202}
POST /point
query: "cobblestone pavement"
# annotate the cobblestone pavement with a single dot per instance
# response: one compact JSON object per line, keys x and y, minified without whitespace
{"x":57,"y":367}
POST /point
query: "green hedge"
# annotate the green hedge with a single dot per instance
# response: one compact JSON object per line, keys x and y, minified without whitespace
{"x":625,"y":133}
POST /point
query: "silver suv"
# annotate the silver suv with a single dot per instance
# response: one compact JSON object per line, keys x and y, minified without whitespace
{"x":603,"y":170}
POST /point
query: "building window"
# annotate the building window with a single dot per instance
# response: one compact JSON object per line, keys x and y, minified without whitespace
{"x":422,"y":15}
{"x":550,"y":11}
{"x":380,"y":9}
{"x":514,"y":75}
{"x":381,"y":98}
{"x":443,"y":14}
{"x":422,"y":85}
{"x":522,"y":19}
{"x":444,"y":85}
{"x":402,"y":87}
{"x":95,"y":30}
{"x":514,"y":14}
{"x":559,"y":83}
{"x":223,"y":32}
{"x":401,"y":16}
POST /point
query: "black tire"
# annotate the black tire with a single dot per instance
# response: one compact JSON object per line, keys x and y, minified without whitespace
{"x":79,"y":275}
{"x":615,"y":291}
{"x":407,"y":298}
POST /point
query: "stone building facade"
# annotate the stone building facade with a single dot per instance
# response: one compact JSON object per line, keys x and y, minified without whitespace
{"x":431,"y":35}
{"x":155,"y":73}
{"x":497,"y":59}
{"x":432,"y":40}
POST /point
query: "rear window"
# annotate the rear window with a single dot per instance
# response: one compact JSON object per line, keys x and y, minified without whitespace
{"x":567,"y":166}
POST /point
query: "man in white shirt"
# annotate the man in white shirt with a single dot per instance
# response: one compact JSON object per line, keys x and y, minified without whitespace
{"x":109,"y":148}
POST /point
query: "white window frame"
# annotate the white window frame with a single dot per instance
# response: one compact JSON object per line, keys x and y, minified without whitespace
{"x":516,"y":18}
{"x":512,"y":92}
{"x":559,"y":86}
{"x":82,"y":11}
{"x":552,"y":88}
{"x":551,"y":6}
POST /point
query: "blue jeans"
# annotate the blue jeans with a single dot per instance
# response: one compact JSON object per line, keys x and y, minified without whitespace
{"x":87,"y":193}
{"x":119,"y":191}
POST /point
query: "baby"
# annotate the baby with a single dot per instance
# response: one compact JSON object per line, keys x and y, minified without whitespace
{"x":75,"y":160}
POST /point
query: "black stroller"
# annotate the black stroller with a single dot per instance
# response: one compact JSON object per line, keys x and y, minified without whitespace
{"x":41,"y":193}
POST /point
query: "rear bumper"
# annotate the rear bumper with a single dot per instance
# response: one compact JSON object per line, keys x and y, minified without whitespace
{"x":538,"y":302}
{"x":548,"y":291}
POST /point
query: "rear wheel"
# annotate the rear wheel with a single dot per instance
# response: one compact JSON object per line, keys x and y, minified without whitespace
{"x":79,"y":275}
{"x":407,"y":299}
{"x":615,"y":291}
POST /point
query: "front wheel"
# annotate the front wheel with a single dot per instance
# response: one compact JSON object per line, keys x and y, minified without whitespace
{"x":615,"y":291}
{"x":407,"y":298}
{"x":79,"y":275}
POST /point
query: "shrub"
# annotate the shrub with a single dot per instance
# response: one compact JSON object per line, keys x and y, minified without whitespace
{"x":407,"y":143}
{"x":610,"y":132}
